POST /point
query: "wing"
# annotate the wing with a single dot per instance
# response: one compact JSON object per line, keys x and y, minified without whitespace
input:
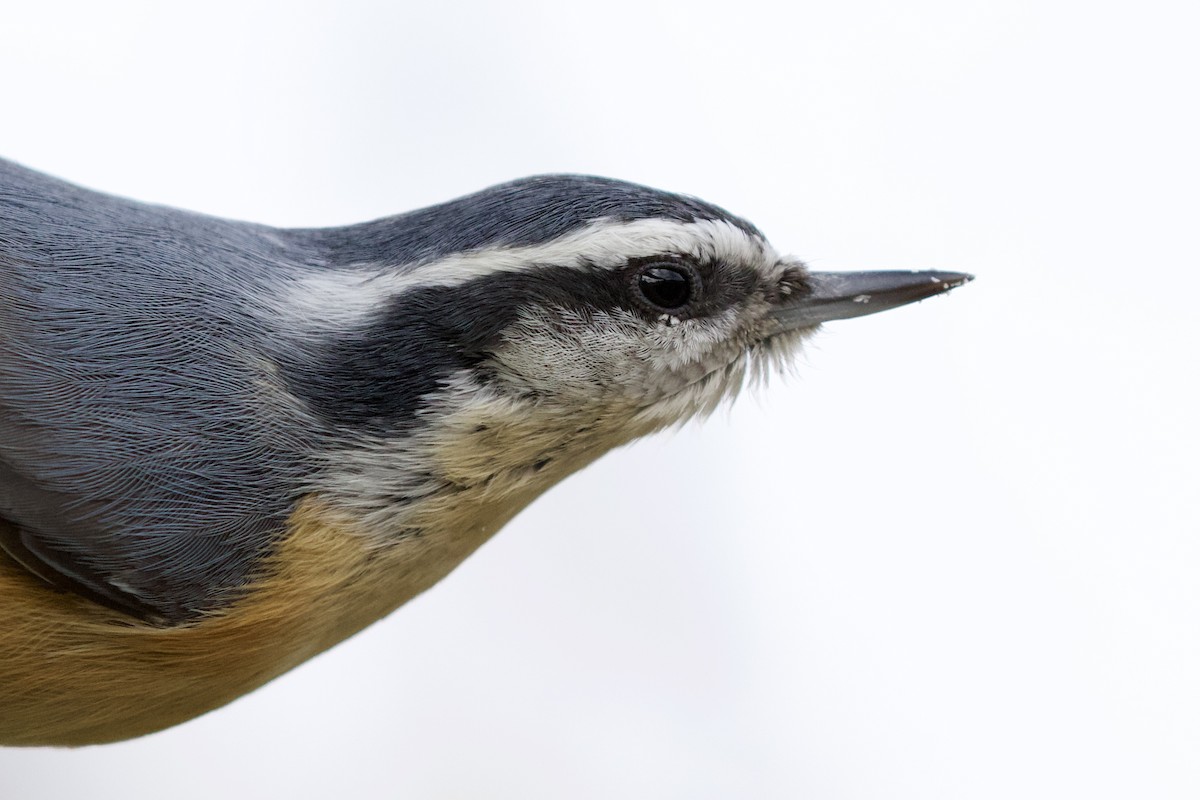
{"x":35,"y":545}
{"x":152,"y":493}
{"x":145,"y":459}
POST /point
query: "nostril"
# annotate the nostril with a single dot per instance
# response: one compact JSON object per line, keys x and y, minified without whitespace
{"x":793,"y":283}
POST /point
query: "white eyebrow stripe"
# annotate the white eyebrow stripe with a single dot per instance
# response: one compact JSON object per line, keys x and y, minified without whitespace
{"x":345,"y":295}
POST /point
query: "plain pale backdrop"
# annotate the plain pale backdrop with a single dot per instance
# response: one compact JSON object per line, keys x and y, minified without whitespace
{"x":956,"y":555}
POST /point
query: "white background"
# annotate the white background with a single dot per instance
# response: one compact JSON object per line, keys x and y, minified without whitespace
{"x":955,"y":556}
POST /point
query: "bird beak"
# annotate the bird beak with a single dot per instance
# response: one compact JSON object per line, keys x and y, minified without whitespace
{"x":842,"y":295}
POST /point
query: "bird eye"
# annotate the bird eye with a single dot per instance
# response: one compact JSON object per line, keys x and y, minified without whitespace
{"x":665,"y":286}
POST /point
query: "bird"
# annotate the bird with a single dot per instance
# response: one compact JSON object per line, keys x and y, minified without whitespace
{"x":226,"y":447}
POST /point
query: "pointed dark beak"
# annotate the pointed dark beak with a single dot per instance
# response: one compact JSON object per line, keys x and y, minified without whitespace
{"x":842,"y":295}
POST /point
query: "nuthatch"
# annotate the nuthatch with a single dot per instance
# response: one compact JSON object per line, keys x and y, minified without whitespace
{"x":226,"y":447}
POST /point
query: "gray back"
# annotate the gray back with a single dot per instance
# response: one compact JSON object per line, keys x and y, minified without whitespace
{"x":140,"y":446}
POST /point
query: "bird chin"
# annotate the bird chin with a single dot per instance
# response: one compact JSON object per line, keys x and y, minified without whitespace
{"x":777,"y":353}
{"x":752,"y":368}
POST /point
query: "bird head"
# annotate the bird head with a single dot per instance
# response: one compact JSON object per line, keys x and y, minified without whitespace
{"x":516,"y":334}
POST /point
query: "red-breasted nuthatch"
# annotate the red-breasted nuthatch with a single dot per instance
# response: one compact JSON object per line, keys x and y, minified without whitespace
{"x":226,"y":447}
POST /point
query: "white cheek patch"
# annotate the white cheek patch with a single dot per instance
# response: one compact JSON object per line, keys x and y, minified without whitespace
{"x":617,"y":357}
{"x":561,"y":352}
{"x":346,"y":296}
{"x":681,"y":343}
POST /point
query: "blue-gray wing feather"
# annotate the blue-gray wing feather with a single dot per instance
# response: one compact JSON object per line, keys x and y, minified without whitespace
{"x":141,"y":460}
